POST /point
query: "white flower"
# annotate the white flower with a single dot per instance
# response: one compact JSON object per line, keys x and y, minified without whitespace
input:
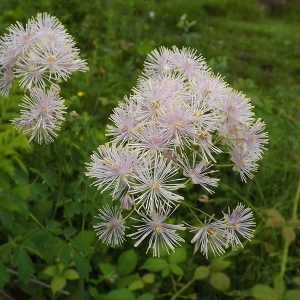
{"x":210,"y":236}
{"x":162,"y":235}
{"x":198,"y":172}
{"x":42,"y":114}
{"x":154,"y":184}
{"x":111,"y":230}
{"x":239,"y":220}
{"x":113,"y":168}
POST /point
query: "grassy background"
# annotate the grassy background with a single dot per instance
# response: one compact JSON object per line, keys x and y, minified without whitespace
{"x":254,"y":44}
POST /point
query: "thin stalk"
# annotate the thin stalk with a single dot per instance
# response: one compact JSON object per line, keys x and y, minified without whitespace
{"x":286,"y":243}
{"x":182,"y":289}
{"x":296,"y":202}
{"x":38,"y":222}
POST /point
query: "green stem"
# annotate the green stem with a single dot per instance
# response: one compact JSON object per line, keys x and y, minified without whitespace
{"x":286,"y":243}
{"x":296,"y":202}
{"x":182,"y":289}
{"x":81,"y":288}
{"x":257,"y":212}
{"x":38,"y":222}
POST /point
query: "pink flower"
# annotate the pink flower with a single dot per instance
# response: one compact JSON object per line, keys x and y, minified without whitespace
{"x":162,"y":235}
{"x":42,"y":114}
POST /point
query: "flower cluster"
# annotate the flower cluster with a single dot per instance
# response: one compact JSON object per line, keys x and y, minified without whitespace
{"x":40,"y":54}
{"x":179,"y":117}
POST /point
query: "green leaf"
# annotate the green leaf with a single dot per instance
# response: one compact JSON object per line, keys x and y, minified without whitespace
{"x":120,"y":294}
{"x":146,"y":296}
{"x":175,"y":269}
{"x":39,"y":189}
{"x":64,"y":255}
{"x":86,"y":236}
{"x":70,"y":274}
{"x":69,"y":231}
{"x":178,"y":256}
{"x":279,"y":285}
{"x":288,"y":233}
{"x":154,"y":264}
{"x":93,"y":292}
{"x":136,"y":285}
{"x":42,"y":209}
{"x":48,"y":178}
{"x":82,"y":264}
{"x":74,"y":208}
{"x":7,"y":247}
{"x":24,"y":263}
{"x":57,"y":284}
{"x":31,"y":247}
{"x":264,"y":292}
{"x":107,"y":269}
{"x":20,"y":176}
{"x":80,"y":246}
{"x":148,"y":278}
{"x":201,"y":272}
{"x":76,"y":155}
{"x":6,"y":217}
{"x":220,"y":281}
{"x":127,"y":262}
{"x":219,"y":264}
{"x":165,"y":272}
{"x":51,"y":271}
{"x":292,"y":295}
{"x":4,"y":277}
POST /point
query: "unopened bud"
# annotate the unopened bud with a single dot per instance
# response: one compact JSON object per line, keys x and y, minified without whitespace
{"x":126,"y":202}
{"x":74,"y":115}
{"x":203,"y":198}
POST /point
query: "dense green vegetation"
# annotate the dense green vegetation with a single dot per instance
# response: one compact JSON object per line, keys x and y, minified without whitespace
{"x":47,"y":205}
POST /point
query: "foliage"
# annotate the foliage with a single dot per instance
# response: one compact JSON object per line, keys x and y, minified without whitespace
{"x":47,"y":206}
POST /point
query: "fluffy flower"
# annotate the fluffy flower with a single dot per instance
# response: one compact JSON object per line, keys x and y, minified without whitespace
{"x":162,"y":235}
{"x":42,"y":114}
{"x":244,"y":162}
{"x":154,"y":184}
{"x":111,"y":229}
{"x":6,"y":77}
{"x":210,"y":236}
{"x":240,"y":220}
{"x":113,"y":168}
{"x":198,"y":172}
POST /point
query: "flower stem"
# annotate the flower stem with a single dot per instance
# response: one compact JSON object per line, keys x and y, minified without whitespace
{"x":38,"y":222}
{"x":286,"y":243}
{"x":182,"y":289}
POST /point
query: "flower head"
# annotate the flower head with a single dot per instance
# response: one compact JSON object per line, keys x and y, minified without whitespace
{"x":239,"y":220}
{"x":154,"y":184}
{"x":111,"y":230}
{"x":42,"y":114}
{"x":162,"y":235}
{"x":113,"y":167}
{"x":210,"y":236}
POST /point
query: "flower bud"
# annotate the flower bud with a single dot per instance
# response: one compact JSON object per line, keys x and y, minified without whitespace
{"x":126,"y":202}
{"x":203,"y":198}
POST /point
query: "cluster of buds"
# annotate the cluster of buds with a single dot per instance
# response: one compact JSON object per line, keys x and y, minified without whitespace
{"x":41,"y":54}
{"x":170,"y":130}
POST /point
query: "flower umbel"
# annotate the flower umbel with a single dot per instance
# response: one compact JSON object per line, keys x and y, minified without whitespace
{"x":167,"y":135}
